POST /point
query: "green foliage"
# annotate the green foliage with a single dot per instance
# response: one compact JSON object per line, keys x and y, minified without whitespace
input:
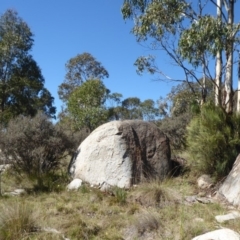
{"x":155,"y":18}
{"x":114,"y":103}
{"x":120,"y":195}
{"x":127,"y":9}
{"x":145,"y":63}
{"x":52,"y":181}
{"x":207,"y":34}
{"x":16,"y":36}
{"x":133,"y":108}
{"x":186,"y":96}
{"x":178,"y":108}
{"x":86,"y":104}
{"x":84,"y":98}
{"x":66,"y":124}
{"x":175,"y":129}
{"x":148,"y":109}
{"x":34,"y":146}
{"x":184,"y":31}
{"x":79,"y":69}
{"x":80,"y":229}
{"x":27,"y":94}
{"x":84,"y":189}
{"x":213,"y":139}
{"x":21,"y":82}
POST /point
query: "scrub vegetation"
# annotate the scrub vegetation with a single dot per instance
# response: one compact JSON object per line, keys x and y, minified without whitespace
{"x":200,"y":116}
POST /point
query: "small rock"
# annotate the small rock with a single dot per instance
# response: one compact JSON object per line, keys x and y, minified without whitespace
{"x":202,"y":194}
{"x":198,"y":220}
{"x":190,"y":199}
{"x":204,"y":200}
{"x":231,"y":216}
{"x":4,"y":167}
{"x":205,"y":182}
{"x":74,"y":184}
{"x":16,"y":192}
{"x":51,"y":230}
{"x":19,"y":191}
{"x":220,"y":234}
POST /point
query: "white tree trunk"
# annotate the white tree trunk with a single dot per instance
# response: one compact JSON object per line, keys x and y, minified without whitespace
{"x":229,"y":66}
{"x":238,"y":89}
{"x":228,"y":84}
{"x":218,"y":80}
{"x":204,"y":89}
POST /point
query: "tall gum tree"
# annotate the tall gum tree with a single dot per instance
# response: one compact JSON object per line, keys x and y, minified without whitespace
{"x":229,"y":6}
{"x":79,"y":69}
{"x":21,"y":82}
{"x":190,"y":37}
{"x":218,"y":79}
{"x":86,"y":105}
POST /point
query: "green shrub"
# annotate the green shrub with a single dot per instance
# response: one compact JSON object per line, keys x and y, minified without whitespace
{"x":175,"y":129}
{"x":35,"y":146}
{"x":84,"y":189}
{"x":213,"y":140}
{"x":53,"y":181}
{"x":120,"y":195}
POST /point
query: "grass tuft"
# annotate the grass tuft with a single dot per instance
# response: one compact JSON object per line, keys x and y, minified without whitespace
{"x":16,"y":221}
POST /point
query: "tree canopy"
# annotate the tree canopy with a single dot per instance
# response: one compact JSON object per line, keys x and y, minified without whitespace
{"x":86,"y":105}
{"x":184,"y":31}
{"x":79,"y":69}
{"x":22,"y":88}
{"x":133,"y":108}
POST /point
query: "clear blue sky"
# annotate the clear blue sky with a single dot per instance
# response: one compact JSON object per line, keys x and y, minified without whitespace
{"x":64,"y":29}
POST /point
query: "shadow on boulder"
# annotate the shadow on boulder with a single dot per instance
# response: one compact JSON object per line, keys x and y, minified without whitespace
{"x":178,"y":166}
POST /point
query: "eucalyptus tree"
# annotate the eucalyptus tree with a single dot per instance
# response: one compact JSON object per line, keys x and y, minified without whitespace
{"x":219,"y":60}
{"x":22,"y":88}
{"x":86,"y":105}
{"x":114,"y":103}
{"x":187,"y":34}
{"x":184,"y":98}
{"x":149,"y":110}
{"x":79,"y":69}
{"x":131,"y":108}
{"x":134,"y":108}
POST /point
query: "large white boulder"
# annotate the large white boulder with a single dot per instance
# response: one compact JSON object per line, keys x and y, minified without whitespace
{"x":220,"y":234}
{"x":230,"y":188}
{"x":122,"y":153}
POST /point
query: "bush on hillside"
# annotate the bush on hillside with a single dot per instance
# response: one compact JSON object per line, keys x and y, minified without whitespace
{"x":34,"y":146}
{"x":76,"y":136}
{"x":175,"y":129}
{"x":213,"y":139}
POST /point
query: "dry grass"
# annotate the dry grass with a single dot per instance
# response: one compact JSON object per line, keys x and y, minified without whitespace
{"x":16,"y":221}
{"x":149,"y":211}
